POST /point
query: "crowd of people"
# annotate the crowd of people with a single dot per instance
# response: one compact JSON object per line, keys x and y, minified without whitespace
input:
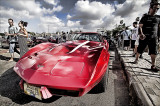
{"x":145,"y":34}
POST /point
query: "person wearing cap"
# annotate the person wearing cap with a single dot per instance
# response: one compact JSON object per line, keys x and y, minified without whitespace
{"x":148,"y":28}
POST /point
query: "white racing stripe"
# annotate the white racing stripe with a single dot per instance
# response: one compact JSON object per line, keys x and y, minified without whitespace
{"x":79,"y":46}
{"x":96,"y":47}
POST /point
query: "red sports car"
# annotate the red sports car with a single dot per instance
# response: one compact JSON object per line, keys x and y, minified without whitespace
{"x":72,"y":68}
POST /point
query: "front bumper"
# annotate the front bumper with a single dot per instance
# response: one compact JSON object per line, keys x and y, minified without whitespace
{"x":46,"y":93}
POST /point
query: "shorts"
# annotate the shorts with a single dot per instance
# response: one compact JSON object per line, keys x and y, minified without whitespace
{"x":152,"y":45}
{"x":126,"y":43}
{"x":11,"y":47}
{"x":137,"y":42}
{"x":133,"y":43}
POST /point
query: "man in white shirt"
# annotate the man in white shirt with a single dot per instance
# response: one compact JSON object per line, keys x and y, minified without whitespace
{"x":134,"y":37}
{"x":12,"y":30}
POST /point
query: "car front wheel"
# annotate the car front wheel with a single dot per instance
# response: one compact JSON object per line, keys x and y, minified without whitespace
{"x":102,"y":85}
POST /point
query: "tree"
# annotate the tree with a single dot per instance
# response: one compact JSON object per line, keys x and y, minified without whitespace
{"x":137,"y":19}
{"x":121,"y":22}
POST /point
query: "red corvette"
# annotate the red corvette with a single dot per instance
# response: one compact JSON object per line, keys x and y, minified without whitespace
{"x":72,"y":68}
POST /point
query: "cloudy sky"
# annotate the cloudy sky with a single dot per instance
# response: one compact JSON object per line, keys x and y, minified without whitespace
{"x":66,"y":15}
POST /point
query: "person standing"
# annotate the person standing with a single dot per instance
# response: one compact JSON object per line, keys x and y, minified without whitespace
{"x":12,"y":30}
{"x":22,"y":38}
{"x":148,"y":28}
{"x":126,"y":38}
{"x":134,"y":37}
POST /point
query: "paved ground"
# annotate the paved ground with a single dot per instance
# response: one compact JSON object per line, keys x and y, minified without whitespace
{"x":143,"y":82}
{"x":117,"y":93}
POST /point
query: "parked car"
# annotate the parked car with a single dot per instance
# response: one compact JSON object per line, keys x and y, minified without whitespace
{"x":53,"y":39}
{"x":4,"y":42}
{"x":39,"y":40}
{"x":72,"y":68}
{"x":30,"y":42}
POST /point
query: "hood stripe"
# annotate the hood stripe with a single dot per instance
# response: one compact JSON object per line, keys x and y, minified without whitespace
{"x":79,"y":46}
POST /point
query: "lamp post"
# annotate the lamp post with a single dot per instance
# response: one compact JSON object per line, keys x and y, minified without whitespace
{"x":48,"y":29}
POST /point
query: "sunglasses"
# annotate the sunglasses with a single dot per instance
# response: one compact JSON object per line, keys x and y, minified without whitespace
{"x":155,"y":8}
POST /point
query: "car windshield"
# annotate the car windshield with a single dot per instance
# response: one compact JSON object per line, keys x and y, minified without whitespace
{"x":74,"y":36}
{"x":88,"y":36}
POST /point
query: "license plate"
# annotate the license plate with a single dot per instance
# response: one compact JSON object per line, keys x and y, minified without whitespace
{"x":32,"y":91}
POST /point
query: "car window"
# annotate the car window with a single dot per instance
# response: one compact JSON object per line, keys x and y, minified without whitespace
{"x":90,"y":37}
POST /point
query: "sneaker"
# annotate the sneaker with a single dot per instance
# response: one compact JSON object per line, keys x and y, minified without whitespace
{"x":135,"y":62}
{"x":10,"y":59}
{"x":133,"y":55}
{"x":155,"y":69}
{"x":141,"y":56}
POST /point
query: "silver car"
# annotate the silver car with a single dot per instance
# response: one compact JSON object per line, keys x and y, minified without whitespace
{"x":4,"y":41}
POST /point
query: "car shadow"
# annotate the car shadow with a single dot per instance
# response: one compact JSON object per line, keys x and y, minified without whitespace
{"x":7,"y":58}
{"x":4,"y":57}
{"x":5,"y":47}
{"x":95,"y":91}
{"x":9,"y":87}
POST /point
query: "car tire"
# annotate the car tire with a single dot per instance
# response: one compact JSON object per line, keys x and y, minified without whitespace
{"x":102,"y":85}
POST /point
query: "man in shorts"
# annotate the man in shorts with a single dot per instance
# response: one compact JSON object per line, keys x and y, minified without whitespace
{"x":12,"y":30}
{"x":126,"y":38}
{"x":148,"y":28}
{"x":134,"y":37}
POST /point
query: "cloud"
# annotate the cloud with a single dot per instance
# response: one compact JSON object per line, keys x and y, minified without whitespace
{"x":50,"y":11}
{"x":19,"y":5}
{"x":91,"y":10}
{"x":69,"y":16}
{"x":10,"y":12}
{"x":131,"y":6}
{"x":51,"y":22}
{"x":28,"y":10}
{"x":56,"y":7}
{"x":3,"y":25}
{"x":93,"y":15}
{"x":110,"y":22}
{"x":53,"y":2}
{"x":73,"y":23}
{"x":130,"y":10}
